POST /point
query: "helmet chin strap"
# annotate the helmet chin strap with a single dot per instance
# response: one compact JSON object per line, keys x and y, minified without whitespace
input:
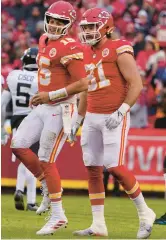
{"x":96,"y":41}
{"x":53,"y":37}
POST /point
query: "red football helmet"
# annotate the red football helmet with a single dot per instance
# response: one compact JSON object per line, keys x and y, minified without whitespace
{"x":60,"y":10}
{"x":100,"y":23}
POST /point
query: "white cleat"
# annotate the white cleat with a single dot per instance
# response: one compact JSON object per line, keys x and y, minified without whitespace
{"x":52,"y":226}
{"x":146,"y":224}
{"x":44,"y":206}
{"x":100,"y":230}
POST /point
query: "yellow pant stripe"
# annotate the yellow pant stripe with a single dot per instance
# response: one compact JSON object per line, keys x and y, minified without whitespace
{"x":55,"y":195}
{"x":41,"y":176}
{"x":122,"y":141}
{"x":97,"y":195}
{"x":134,"y":189}
{"x":56,"y":146}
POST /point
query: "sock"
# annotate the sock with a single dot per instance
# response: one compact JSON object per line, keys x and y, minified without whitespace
{"x":96,"y":193}
{"x":57,"y":209}
{"x":30,"y":160}
{"x":44,"y":187}
{"x":52,"y":177}
{"x":140,"y":203}
{"x":54,"y":188}
{"x":144,"y":212}
{"x":131,"y":187}
{"x":20,"y":177}
{"x":98,"y":214}
{"x":31,"y":187}
{"x":127,"y":180}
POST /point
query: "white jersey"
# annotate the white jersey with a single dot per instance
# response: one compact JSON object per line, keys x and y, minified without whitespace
{"x":23,"y":85}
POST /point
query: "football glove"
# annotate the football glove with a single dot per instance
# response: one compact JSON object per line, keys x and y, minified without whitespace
{"x":116,"y":117}
{"x":72,"y":136}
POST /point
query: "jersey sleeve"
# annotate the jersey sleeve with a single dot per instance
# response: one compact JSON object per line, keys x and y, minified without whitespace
{"x":71,"y":51}
{"x":10,"y":78}
{"x":73,"y":60}
{"x":123,"y":46}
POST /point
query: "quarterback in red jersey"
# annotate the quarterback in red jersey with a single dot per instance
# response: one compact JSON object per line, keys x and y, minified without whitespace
{"x":60,"y":62}
{"x":114,"y":87}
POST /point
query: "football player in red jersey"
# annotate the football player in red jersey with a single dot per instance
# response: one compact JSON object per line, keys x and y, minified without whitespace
{"x":60,"y":62}
{"x":114,"y":86}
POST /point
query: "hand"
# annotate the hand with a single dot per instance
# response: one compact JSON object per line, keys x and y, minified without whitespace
{"x":72,"y":136}
{"x":114,"y":120}
{"x":40,"y":98}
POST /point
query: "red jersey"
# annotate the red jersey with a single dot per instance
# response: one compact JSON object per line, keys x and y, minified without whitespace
{"x":107,"y":88}
{"x":60,"y":63}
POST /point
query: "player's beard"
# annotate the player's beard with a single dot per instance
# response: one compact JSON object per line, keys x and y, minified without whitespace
{"x":90,"y":38}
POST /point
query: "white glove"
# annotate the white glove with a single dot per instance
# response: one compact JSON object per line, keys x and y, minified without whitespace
{"x":72,"y":136}
{"x":4,"y":136}
{"x":116,"y":117}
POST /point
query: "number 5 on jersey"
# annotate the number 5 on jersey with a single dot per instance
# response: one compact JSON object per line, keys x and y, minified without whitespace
{"x":44,"y":74}
{"x":97,"y":76}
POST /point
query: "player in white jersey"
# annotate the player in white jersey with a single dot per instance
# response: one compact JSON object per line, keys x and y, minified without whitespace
{"x":22,"y":85}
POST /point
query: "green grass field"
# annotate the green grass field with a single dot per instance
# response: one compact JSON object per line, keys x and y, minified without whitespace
{"x":121,"y":218}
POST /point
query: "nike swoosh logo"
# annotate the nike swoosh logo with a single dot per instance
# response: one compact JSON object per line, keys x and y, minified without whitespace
{"x":73,"y":47}
{"x":55,"y":114}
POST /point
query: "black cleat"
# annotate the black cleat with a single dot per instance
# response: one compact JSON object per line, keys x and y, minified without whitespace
{"x":19,"y":200}
{"x":32,"y":207}
{"x":161,"y":220}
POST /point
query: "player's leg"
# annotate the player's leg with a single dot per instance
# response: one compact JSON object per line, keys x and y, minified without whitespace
{"x":31,"y":184}
{"x":31,"y":191}
{"x":51,"y":142}
{"x":114,"y":149}
{"x":162,"y":219}
{"x":92,"y":147}
{"x":24,"y":175}
{"x":27,"y":134}
{"x":18,"y":195}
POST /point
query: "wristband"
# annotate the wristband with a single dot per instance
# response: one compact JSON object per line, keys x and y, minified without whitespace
{"x":58,"y":94}
{"x":79,"y":119}
{"x":124,"y":108}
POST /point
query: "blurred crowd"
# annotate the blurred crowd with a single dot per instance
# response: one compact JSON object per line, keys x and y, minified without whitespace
{"x":142,"y":22}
